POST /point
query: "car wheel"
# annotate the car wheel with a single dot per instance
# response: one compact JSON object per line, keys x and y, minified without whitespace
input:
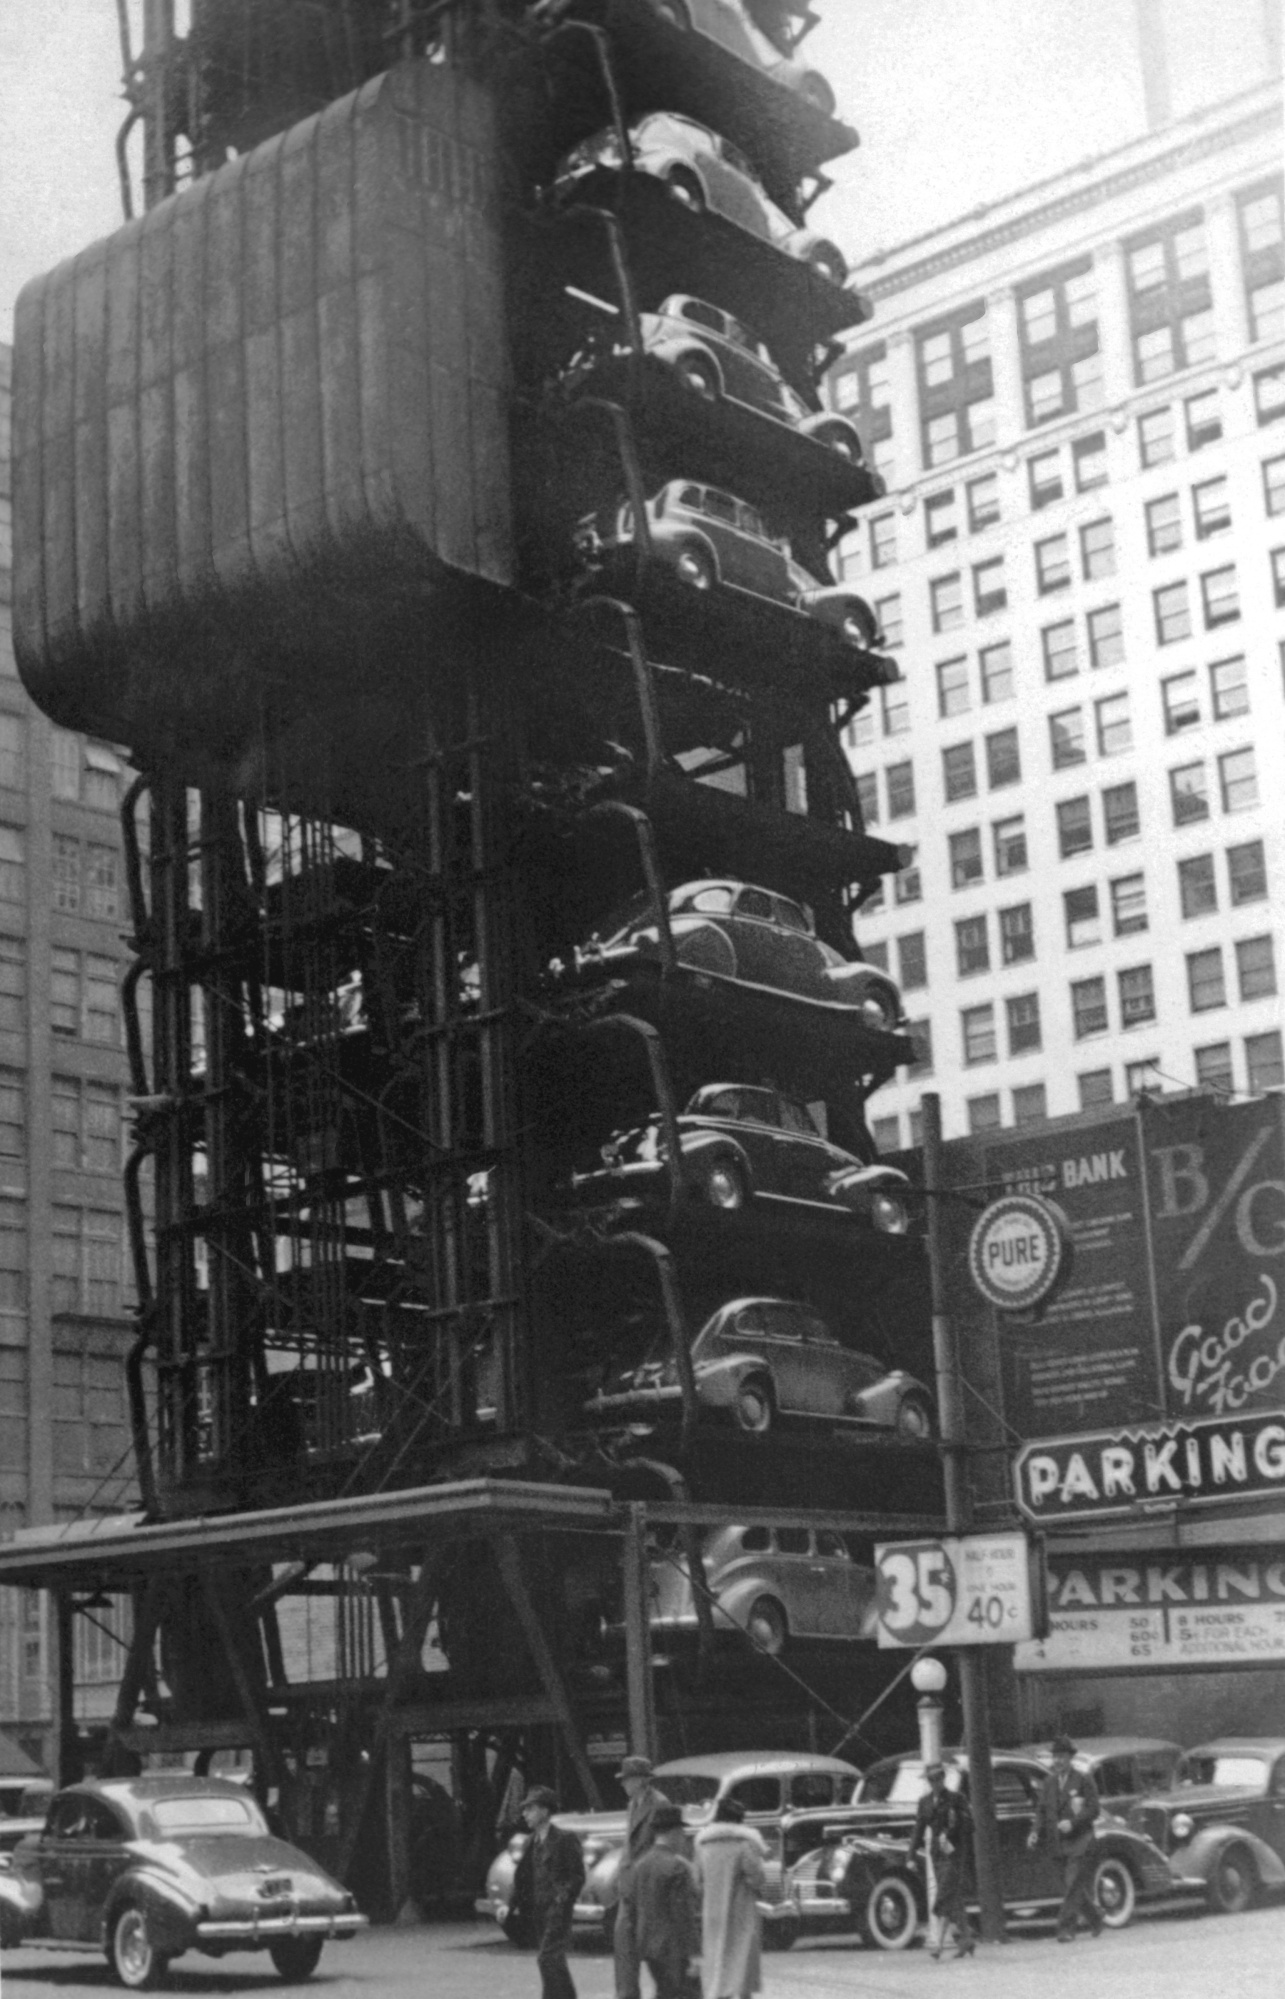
{"x":1115,"y":1893}
{"x":696,"y":567}
{"x":755,"y":1407}
{"x":814,"y":89}
{"x":1233,"y":1882}
{"x":856,"y":627}
{"x":838,"y":438}
{"x":697,"y":374}
{"x":768,"y":1626}
{"x":723,"y":1184}
{"x":782,"y":1932}
{"x":296,"y":1958}
{"x":686,"y":188}
{"x":825,"y":259}
{"x":891,"y":1915}
{"x":914,"y":1418}
{"x":133,"y":1957}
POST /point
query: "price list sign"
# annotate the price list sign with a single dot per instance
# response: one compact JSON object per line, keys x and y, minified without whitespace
{"x":969,"y":1589}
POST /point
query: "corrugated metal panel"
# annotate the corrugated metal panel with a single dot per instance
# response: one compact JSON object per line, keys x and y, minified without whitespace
{"x":289,"y":377}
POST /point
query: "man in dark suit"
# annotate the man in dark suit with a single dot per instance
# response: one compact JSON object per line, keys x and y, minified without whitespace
{"x":943,"y":1834}
{"x":661,"y":1901}
{"x":1064,"y":1820}
{"x":549,"y":1876}
{"x":640,"y":1834}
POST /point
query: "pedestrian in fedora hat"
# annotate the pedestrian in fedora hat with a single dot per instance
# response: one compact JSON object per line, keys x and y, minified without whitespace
{"x":943,"y":1834}
{"x":1068,"y":1806}
{"x":635,"y":1775}
{"x":549,"y":1876}
{"x":661,"y":1903}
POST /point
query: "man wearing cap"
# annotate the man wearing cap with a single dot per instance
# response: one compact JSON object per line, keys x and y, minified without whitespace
{"x":943,"y":1831}
{"x":661,"y":1903}
{"x":640,"y":1832}
{"x":549,"y":1876}
{"x":1067,"y":1808}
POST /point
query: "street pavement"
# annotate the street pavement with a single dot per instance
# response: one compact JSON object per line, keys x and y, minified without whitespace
{"x":1184,"y":1956}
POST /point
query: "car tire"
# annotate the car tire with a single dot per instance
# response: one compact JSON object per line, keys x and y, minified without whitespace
{"x":768,"y":1625}
{"x":1233,"y":1883}
{"x":890,"y":1917}
{"x":686,"y":188}
{"x":826,"y":260}
{"x":696,"y":567}
{"x":697,"y":374}
{"x":838,"y":438}
{"x":723,"y":1185}
{"x":295,"y":1958}
{"x":914,"y":1419}
{"x":782,"y":1932}
{"x":755,"y":1407}
{"x":134,"y":1959}
{"x":1115,"y":1892}
{"x":814,"y":90}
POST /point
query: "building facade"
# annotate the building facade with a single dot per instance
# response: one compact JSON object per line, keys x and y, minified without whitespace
{"x":1077,"y":399}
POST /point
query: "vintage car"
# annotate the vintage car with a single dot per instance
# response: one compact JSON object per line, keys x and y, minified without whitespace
{"x":759,"y":1361}
{"x":744,"y":1145}
{"x":727,"y":23}
{"x":860,"y":1876}
{"x":703,"y":171}
{"x":1222,"y":1828}
{"x":749,"y":937}
{"x":710,"y":538}
{"x":774,"y":1583}
{"x":773,"y":1786}
{"x":145,"y":1868}
{"x":23,"y":1805}
{"x":1124,"y":1768}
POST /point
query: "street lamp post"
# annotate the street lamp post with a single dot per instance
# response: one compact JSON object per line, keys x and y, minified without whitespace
{"x":928,"y":1678}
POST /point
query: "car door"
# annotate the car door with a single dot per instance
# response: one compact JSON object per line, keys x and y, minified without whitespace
{"x":730,"y":185}
{"x":98,"y":1856}
{"x":1025,"y":1876}
{"x":758,"y":1129}
{"x":721,"y":522}
{"x":850,"y":1587}
{"x":790,"y":1359}
{"x":807,"y":1154}
{"x":757,"y":945}
{"x":56,"y":1861}
{"x":761,"y":1797}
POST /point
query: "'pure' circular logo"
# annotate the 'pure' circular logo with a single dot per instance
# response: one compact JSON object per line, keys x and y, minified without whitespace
{"x":1016,"y":1251}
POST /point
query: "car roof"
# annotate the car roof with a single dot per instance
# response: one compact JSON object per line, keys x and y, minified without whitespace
{"x":1101,"y":1746}
{"x":1226,"y":1745}
{"x":166,"y":1784}
{"x":766,"y":1763}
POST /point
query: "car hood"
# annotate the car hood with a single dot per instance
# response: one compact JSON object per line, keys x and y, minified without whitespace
{"x":1206,"y":1799}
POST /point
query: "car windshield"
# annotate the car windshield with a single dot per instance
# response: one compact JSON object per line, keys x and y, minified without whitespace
{"x":686,"y":1787}
{"x":900,"y":1783}
{"x":1229,"y":1769}
{"x":207,"y":1814}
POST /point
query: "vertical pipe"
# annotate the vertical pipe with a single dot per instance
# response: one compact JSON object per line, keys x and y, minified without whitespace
{"x":64,"y":1746}
{"x":638,"y":1666}
{"x":1153,"y":59}
{"x":158,"y":55}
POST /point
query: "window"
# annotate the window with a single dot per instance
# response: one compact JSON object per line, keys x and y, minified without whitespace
{"x":83,"y":997}
{"x":1278,"y":576}
{"x":1220,"y":596}
{"x":886,"y":1133}
{"x":86,"y":1259}
{"x":1074,"y":828}
{"x":1206,"y":985}
{"x":1089,"y":457}
{"x":1246,"y":873}
{"x":983,"y":502}
{"x":875,"y":954}
{"x":920,"y":1035}
{"x":956,"y":392}
{"x":66,"y":874}
{"x":907,"y":885}
{"x":1058,"y":332}
{"x":1204,"y":420}
{"x":1164,"y":524}
{"x":1238,"y":780}
{"x":1260,"y":220}
{"x":1211,"y":508}
{"x":1169,"y":296}
{"x":1095,"y":1088}
{"x":1228,"y":689}
{"x":1010,"y":845}
{"x":868,"y":797}
{"x":1106,"y":636}
{"x":852,"y":560}
{"x":1016,"y":934}
{"x":1044,"y":395}
{"x":1256,"y":967}
{"x":1115,"y":729}
{"x":1061,"y":650}
{"x":983,"y":1114}
{"x":1120,"y":812}
{"x":1089,"y":1007}
{"x":972,"y":946}
{"x":1156,"y":437}
{"x":883,"y":541}
{"x":894,"y":706}
{"x":1029,"y":1104}
{"x":952,"y":687}
{"x":13,"y":751}
{"x":946,"y":596}
{"x":1173,"y":615}
{"x":912,"y":961}
{"x":1141,"y":1076}
{"x":1189,"y":793}
{"x":1097,"y":549}
{"x":1024,"y":1031}
{"x":86,"y":1125}
{"x":959,"y":772}
{"x":1180,"y":697}
{"x":888,"y":612}
{"x":1267,"y":310}
{"x":1213,"y":1067}
{"x":1045,"y":474}
{"x":1083,"y":924}
{"x":941,"y":521}
{"x":900,"y":779}
{"x":1264,"y":1063}
{"x":965,"y":858}
{"x":978,"y":1025}
{"x":997,"y":672}
{"x":13,"y":858}
{"x":1269,"y":393}
{"x":1003,"y":759}
{"x":1052,"y":564}
{"x":87,"y":773}
{"x":1153,"y":354}
{"x":1137,"y":996}
{"x":1197,"y":888}
{"x":1274,"y":485}
{"x":13,"y":1115}
{"x":941,"y":439}
{"x":989,"y":592}
{"x":1128,"y":904}
{"x":860,"y":732}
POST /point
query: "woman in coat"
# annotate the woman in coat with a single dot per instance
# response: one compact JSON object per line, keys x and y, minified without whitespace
{"x":730,"y":1861}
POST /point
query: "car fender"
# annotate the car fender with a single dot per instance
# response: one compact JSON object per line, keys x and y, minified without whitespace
{"x":673,"y":351}
{"x":1199,"y":1857}
{"x":675,"y":535}
{"x":172,"y":1912}
{"x":701,"y":1144}
{"x":734,"y":1604}
{"x":831,"y":420}
{"x":871,"y":1863}
{"x":22,"y":1902}
{"x":718,"y":1380}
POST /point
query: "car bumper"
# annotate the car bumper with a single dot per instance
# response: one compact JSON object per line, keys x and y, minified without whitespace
{"x":585,"y":1915}
{"x":267,"y":1929}
{"x":820,"y":1901}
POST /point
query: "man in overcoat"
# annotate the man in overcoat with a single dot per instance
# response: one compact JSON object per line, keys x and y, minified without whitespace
{"x":662,"y":1903}
{"x":635,"y":1775}
{"x":549,"y":1876}
{"x":1064,"y":1820}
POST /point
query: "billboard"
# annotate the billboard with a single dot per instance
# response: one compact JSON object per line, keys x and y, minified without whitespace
{"x":1199,"y":1608}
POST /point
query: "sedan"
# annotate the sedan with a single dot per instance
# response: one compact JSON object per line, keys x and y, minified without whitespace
{"x":727,"y":23}
{"x":703,"y":171}
{"x":861,"y":1876}
{"x":759,"y":1360}
{"x":1223,"y":1827}
{"x":145,"y":1868}
{"x":775,"y":1584}
{"x":740,"y":1145}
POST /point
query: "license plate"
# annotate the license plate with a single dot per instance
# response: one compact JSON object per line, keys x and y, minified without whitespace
{"x":278,"y":1884}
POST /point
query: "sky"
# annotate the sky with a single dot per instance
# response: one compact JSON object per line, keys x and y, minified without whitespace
{"x":958,"y":102}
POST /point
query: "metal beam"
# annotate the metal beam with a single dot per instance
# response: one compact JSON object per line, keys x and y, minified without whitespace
{"x":638,"y":1663}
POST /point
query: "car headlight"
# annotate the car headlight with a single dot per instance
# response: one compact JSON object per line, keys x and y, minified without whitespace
{"x":889,"y":1214}
{"x":1183,"y":1825}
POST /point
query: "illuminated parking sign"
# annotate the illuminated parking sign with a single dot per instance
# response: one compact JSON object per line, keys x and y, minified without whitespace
{"x":1016,"y":1251}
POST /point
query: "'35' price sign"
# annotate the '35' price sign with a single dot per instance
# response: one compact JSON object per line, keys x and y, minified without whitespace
{"x":917,"y":1591}
{"x":967,"y":1589}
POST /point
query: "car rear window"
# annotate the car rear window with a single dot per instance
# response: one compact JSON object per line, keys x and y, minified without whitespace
{"x":1226,"y":1770}
{"x":686,"y":1788}
{"x":220,"y":1814}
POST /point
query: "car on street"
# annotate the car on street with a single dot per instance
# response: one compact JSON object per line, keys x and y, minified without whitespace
{"x":704,"y":172}
{"x":727,"y":23}
{"x":145,"y":1868}
{"x":758,"y":1362}
{"x":775,"y":1583}
{"x":22,"y":1809}
{"x":860,"y":1875}
{"x":1222,"y":1828}
{"x":772,"y":1785}
{"x":743,"y":1146}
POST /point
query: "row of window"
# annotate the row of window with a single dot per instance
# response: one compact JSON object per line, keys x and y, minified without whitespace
{"x":85,"y":1120}
{"x":86,"y":773}
{"x":85,"y":1254}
